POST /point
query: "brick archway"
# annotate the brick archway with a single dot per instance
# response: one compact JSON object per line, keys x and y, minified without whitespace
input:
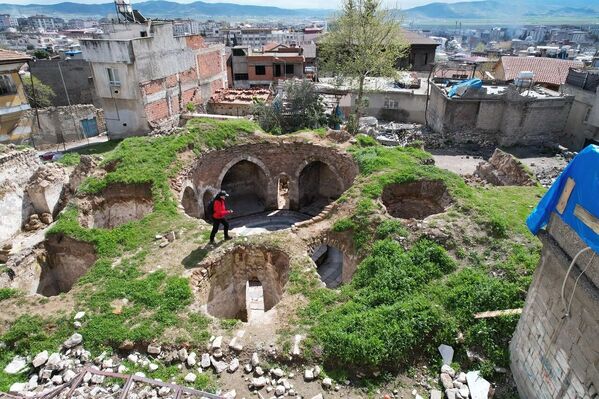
{"x":315,"y":179}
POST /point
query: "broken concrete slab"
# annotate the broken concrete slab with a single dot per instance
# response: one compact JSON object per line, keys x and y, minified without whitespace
{"x":479,"y":387}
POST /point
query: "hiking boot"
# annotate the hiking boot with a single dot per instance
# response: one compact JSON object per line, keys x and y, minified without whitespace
{"x":228,"y":238}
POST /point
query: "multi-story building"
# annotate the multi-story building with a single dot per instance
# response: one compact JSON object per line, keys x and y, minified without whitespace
{"x":272,"y":63}
{"x":144,"y":76}
{"x":6,"y":21}
{"x":43,"y":22}
{"x":13,"y":102}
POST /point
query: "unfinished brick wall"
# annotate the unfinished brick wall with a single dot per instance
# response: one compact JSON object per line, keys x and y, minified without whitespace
{"x":554,"y":355}
{"x":210,"y":63}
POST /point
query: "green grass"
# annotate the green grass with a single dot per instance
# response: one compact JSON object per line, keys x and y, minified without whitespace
{"x":401,"y":304}
{"x":6,"y":293}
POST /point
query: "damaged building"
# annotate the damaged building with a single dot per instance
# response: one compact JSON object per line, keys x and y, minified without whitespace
{"x":13,"y":101}
{"x":145,"y":77}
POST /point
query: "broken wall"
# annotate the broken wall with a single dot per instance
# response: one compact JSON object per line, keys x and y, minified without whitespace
{"x":77,"y":79}
{"x":554,"y":355}
{"x":16,"y":168}
{"x":508,"y":119}
{"x":65,"y":124}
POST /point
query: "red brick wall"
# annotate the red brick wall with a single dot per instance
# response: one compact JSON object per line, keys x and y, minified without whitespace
{"x":269,"y":69}
{"x":157,"y":110}
{"x":195,"y":42}
{"x":210,"y":64}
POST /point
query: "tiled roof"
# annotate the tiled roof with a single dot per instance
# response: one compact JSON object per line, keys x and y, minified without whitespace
{"x":546,"y":70}
{"x":8,"y":57}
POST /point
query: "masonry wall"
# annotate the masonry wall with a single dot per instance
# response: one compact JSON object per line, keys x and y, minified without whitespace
{"x":63,"y":124}
{"x":273,"y":159}
{"x":508,"y":119}
{"x":12,"y":191}
{"x":411,"y":106}
{"x":77,"y":78}
{"x":553,"y":355}
{"x":583,"y":120}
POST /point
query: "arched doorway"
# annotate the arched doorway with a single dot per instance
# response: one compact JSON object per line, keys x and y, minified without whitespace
{"x":318,"y":186}
{"x":208,"y":196}
{"x":247,"y":185}
{"x":190,"y":202}
{"x":283,"y":192}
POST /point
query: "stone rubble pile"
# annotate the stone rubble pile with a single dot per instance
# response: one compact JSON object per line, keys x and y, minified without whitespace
{"x":391,"y":133}
{"x":504,"y":169}
{"x":462,"y":385}
{"x":38,"y":221}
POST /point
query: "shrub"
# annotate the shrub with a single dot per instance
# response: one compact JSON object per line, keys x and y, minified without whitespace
{"x":6,"y":293}
{"x":390,"y":229}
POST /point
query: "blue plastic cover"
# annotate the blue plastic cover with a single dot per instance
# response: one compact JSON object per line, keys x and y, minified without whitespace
{"x":584,"y":170}
{"x":471,"y":83}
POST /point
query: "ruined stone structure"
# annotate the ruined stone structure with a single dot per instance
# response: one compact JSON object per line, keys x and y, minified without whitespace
{"x":554,"y":354}
{"x":144,"y":76}
{"x":65,"y":124}
{"x":251,"y":173}
{"x":15,"y":207}
{"x":499,"y":115}
{"x":417,"y":199}
{"x":504,"y":169}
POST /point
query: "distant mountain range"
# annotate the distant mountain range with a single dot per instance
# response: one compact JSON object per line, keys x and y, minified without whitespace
{"x":488,"y":11}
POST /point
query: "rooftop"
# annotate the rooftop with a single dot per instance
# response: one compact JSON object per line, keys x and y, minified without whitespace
{"x":415,"y":38}
{"x":546,"y":70}
{"x":10,"y":57}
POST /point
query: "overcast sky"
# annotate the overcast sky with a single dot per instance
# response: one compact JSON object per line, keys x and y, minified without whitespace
{"x":279,"y":3}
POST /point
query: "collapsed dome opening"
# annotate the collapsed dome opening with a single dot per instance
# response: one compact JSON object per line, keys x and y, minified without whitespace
{"x":118,"y":204}
{"x":66,"y":260}
{"x":416,"y":200}
{"x":247,"y":282}
{"x":318,"y":186}
{"x":329,"y":262}
{"x":246,"y":183}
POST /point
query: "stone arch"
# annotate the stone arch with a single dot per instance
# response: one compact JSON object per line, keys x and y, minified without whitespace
{"x":191,"y":202}
{"x":207,"y":196}
{"x":316,"y":184}
{"x":249,"y":184}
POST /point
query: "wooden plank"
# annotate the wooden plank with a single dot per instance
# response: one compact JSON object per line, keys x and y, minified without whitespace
{"x":563,"y":199}
{"x":586,"y":217}
{"x":497,"y":313}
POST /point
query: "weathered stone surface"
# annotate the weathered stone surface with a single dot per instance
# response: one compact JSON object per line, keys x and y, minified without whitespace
{"x":259,"y":382}
{"x":234,"y":365}
{"x":447,"y":369}
{"x":16,"y":366}
{"x":40,"y":359}
{"x":327,"y":383}
{"x":190,"y":377}
{"x":451,"y":393}
{"x":154,"y":349}
{"x":255,"y":359}
{"x":504,"y":170}
{"x":309,"y":374}
{"x":446,"y":380}
{"x":479,"y":387}
{"x":74,"y":340}
{"x":45,"y":188}
{"x":205,"y":361}
{"x":436,"y":394}
{"x":18,"y":387}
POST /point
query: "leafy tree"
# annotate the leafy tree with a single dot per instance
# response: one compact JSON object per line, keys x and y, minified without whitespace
{"x":480,"y":47}
{"x":365,"y":40}
{"x":43,"y":93}
{"x":41,"y":54}
{"x":301,"y":108}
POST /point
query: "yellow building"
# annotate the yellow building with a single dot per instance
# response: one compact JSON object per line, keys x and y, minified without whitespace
{"x":13,"y":102}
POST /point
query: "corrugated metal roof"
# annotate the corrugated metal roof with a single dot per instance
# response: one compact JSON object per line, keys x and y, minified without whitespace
{"x":8,"y":56}
{"x":546,"y":70}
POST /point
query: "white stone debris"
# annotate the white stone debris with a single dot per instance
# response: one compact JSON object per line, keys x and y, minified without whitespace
{"x":316,"y":371}
{"x":133,"y":358}
{"x":154,"y":349}
{"x":152,"y":367}
{"x":296,"y":345}
{"x":79,"y":316}
{"x":74,"y":340}
{"x":18,"y":387}
{"x":436,"y":394}
{"x":255,"y":359}
{"x":479,"y":387}
{"x":40,"y":359}
{"x":447,"y":369}
{"x":192,"y":359}
{"x":191,"y":377}
{"x":309,"y":374}
{"x":16,"y":366}
{"x":258,"y":382}
{"x":234,"y":365}
{"x":205,"y":361}
{"x":327,"y":383}
{"x":319,"y":396}
{"x":232,"y":394}
{"x":182,"y":354}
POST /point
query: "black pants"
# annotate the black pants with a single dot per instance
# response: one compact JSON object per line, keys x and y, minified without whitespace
{"x":215,"y":224}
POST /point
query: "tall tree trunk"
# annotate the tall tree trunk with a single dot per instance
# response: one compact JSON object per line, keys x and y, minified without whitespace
{"x":359,"y":105}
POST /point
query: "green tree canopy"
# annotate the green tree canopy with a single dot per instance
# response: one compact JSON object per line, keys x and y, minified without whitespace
{"x":43,"y":93}
{"x":364,"y":40}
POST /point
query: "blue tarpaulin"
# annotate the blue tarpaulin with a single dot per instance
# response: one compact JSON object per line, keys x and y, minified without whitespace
{"x":466,"y":85}
{"x":584,"y":170}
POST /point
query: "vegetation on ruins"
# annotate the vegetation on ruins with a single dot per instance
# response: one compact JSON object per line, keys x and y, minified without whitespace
{"x":301,"y":108}
{"x":364,"y":40}
{"x":39,"y":95}
{"x":410,"y":293}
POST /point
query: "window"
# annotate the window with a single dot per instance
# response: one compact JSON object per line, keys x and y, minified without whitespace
{"x":241,"y":76}
{"x":113,"y":77}
{"x":289,"y":70}
{"x":7,"y":86}
{"x":260,"y":70}
{"x":391,"y":103}
{"x":586,"y":116}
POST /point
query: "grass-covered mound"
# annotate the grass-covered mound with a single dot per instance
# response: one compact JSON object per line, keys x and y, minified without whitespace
{"x":403,"y":303}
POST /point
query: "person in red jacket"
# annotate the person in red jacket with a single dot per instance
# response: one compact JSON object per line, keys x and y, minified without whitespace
{"x":218,"y":216}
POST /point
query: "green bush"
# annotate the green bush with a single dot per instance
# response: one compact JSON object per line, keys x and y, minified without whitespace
{"x":6,"y":293}
{"x":390,"y":229}
{"x":343,"y":225}
{"x":364,"y":140}
{"x":70,"y":159}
